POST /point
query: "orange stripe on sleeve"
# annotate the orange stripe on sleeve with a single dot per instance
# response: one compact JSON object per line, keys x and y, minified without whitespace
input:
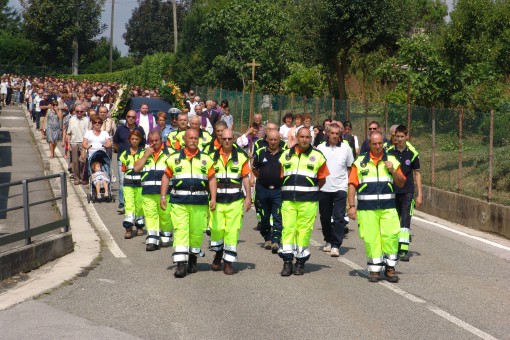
{"x":245,"y":171}
{"x":323,"y":171}
{"x":169,"y":172}
{"x":353,"y":176}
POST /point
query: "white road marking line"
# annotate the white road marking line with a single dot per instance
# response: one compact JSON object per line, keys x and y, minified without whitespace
{"x":94,"y":216}
{"x":413,"y":298}
{"x":460,"y":323}
{"x":11,"y":117}
{"x":494,"y":244}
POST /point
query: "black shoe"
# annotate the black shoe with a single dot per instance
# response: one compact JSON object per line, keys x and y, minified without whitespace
{"x":299,"y":269}
{"x":274,"y":248}
{"x":346,"y":230}
{"x":192,"y":263}
{"x":403,"y":256}
{"x":180,"y":270}
{"x":391,"y":274}
{"x":166,"y":244}
{"x":208,"y":232}
{"x":287,"y":268}
{"x":258,"y":226}
{"x":374,"y":276}
{"x":151,"y":247}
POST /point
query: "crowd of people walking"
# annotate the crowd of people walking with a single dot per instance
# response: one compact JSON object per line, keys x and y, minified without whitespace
{"x":184,"y":173}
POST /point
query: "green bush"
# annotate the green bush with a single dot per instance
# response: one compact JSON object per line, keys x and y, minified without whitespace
{"x":148,"y":74}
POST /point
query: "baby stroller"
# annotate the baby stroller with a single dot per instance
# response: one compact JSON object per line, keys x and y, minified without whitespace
{"x":102,"y":157}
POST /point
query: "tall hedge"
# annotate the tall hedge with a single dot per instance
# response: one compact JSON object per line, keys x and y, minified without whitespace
{"x":149,"y":74}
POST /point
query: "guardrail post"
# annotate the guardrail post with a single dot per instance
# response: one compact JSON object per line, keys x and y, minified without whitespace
{"x":63,"y":195}
{"x":26,"y":210}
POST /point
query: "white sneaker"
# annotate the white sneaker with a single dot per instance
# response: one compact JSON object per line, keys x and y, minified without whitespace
{"x":327,"y":247}
{"x":335,"y":252}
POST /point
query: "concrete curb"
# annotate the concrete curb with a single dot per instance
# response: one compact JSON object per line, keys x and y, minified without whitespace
{"x":87,"y":244}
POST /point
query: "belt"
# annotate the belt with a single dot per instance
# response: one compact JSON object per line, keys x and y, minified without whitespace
{"x":270,"y":187}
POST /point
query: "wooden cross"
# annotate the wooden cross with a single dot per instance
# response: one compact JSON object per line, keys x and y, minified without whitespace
{"x":253,"y":64}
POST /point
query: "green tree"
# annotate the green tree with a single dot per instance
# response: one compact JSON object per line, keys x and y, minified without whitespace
{"x":330,"y":31}
{"x":305,"y":81}
{"x":9,"y":18}
{"x":150,"y":28}
{"x":229,"y":34}
{"x":96,"y":59}
{"x":56,"y":25}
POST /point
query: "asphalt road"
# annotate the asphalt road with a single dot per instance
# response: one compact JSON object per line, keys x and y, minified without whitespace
{"x":454,"y":287}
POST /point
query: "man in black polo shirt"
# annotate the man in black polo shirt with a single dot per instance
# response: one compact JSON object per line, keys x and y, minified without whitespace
{"x":267,"y":170}
{"x":120,"y":144}
{"x":410,"y":164}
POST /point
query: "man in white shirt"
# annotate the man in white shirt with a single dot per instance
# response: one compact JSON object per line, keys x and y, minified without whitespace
{"x":191,"y":103}
{"x":78,"y":126}
{"x":333,"y":194}
{"x":3,"y":91}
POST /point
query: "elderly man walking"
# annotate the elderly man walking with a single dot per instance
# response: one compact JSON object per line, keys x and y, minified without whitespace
{"x":231,"y":165}
{"x":372,"y":177}
{"x":78,"y":126}
{"x":193,"y":173}
{"x":304,"y":172}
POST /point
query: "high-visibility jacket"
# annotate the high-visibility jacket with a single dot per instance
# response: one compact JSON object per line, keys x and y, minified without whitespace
{"x":300,"y":181}
{"x":131,"y":178}
{"x":375,"y":182}
{"x":229,"y":176}
{"x":172,"y":138}
{"x":153,"y":171}
{"x":204,"y":138}
{"x":190,"y":178}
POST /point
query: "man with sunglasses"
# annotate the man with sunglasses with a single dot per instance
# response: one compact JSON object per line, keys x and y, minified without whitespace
{"x":232,"y":168}
{"x":372,"y":126}
{"x":120,"y":144}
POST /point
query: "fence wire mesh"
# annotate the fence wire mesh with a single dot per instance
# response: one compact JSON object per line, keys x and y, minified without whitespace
{"x":454,"y":144}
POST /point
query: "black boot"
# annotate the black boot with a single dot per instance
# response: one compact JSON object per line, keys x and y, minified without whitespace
{"x":216,"y":264}
{"x":300,"y":268}
{"x":180,"y":270}
{"x":287,"y":268}
{"x":192,"y":263}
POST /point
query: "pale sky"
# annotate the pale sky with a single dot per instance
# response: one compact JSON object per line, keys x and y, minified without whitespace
{"x":123,"y":11}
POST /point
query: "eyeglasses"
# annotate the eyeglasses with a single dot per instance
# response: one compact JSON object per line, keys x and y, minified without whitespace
{"x":131,"y":117}
{"x":79,"y":111}
{"x":227,"y":139}
{"x":372,"y":129}
{"x":97,"y":123}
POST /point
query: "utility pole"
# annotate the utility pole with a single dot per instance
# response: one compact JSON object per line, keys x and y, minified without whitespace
{"x":75,"y":59}
{"x":110,"y":64}
{"x":174,"y":5}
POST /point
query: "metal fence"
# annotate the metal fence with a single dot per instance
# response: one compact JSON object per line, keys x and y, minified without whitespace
{"x":460,"y":150}
{"x":30,"y":231}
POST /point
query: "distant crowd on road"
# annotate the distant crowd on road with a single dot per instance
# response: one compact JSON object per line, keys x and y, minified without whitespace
{"x":192,"y":175}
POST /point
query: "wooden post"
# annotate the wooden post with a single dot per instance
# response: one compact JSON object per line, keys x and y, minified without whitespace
{"x":253,"y":64}
{"x":332,"y":107}
{"x":269,"y":109}
{"x":409,"y":108}
{"x":433,"y":156}
{"x":459,"y":174}
{"x":386,"y":119}
{"x":242,"y":112}
{"x":235,"y":104}
{"x":347,"y":109}
{"x":317,"y":111}
{"x":292,"y":102}
{"x":365,"y":104}
{"x":491,"y":155}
